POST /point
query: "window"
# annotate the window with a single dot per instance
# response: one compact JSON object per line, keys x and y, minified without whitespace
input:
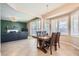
{"x":53,"y":25}
{"x":46,"y":26}
{"x":75,"y":23}
{"x":34,"y":26}
{"x":60,"y":24}
{"x":63,"y":25}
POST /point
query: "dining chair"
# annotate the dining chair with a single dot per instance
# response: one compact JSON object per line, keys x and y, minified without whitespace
{"x":58,"y":39}
{"x":53,"y":42}
{"x":40,"y":33}
{"x":39,"y":42}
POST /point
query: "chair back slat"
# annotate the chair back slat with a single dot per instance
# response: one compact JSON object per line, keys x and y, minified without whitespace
{"x":54,"y":38}
{"x":58,"y":36}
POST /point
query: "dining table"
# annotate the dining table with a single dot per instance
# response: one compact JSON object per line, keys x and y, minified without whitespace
{"x":42,"y":40}
{"x":48,"y":41}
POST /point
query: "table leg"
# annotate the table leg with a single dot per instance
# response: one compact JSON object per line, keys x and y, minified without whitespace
{"x":55,"y":47}
{"x":41,"y":47}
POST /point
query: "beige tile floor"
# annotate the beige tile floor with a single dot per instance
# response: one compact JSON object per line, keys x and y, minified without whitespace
{"x":27,"y":47}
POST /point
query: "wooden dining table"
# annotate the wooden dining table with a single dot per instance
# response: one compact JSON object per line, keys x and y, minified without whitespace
{"x":48,"y":41}
{"x":43,"y":39}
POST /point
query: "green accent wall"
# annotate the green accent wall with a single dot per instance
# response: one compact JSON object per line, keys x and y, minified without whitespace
{"x":5,"y":25}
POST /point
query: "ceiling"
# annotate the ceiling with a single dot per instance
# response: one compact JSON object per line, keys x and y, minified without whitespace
{"x":26,"y":11}
{"x":9,"y":13}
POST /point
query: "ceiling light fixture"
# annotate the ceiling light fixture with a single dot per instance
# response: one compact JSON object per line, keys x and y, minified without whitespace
{"x":47,"y":7}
